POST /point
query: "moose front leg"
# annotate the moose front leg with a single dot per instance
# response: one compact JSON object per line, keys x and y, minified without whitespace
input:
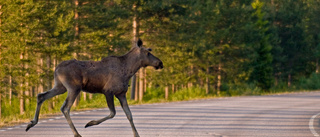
{"x":123,"y":101}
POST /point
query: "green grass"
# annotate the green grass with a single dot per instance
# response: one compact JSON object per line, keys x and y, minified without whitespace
{"x":157,"y":95}
{"x":189,"y":94}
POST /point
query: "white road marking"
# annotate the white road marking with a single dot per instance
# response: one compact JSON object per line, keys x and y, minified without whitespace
{"x":313,"y":131}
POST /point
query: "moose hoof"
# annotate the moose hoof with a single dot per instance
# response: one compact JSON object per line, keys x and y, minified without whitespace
{"x":30,"y":125}
{"x":91,"y":123}
{"x":77,"y":135}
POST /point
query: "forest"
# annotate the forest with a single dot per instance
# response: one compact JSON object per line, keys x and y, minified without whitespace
{"x":210,"y":48}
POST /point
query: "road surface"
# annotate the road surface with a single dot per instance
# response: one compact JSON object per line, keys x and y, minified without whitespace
{"x":287,"y":115}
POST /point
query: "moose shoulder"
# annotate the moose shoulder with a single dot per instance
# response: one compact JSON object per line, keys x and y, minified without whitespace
{"x":110,"y":76}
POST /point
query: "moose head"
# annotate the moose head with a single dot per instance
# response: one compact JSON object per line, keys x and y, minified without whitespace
{"x":146,"y":58}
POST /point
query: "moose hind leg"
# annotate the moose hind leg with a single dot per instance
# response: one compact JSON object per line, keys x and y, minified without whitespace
{"x":72,"y":95}
{"x":110,"y":102}
{"x":56,"y":90}
{"x":124,"y":104}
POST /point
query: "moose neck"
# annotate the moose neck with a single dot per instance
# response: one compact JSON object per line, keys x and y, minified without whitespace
{"x":132,"y":61}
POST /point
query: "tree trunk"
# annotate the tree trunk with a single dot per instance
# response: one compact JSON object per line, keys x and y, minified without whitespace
{"x":141,"y":85}
{"x":76,"y":102}
{"x":84,"y":96}
{"x":0,"y":99}
{"x":219,"y":79}
{"x":183,"y":86}
{"x":76,"y":35}
{"x":48,"y":80}
{"x":52,"y":80}
{"x":32,"y":90}
{"x":76,"y":28}
{"x":76,"y":17}
{"x":289,"y":80}
{"x":27,"y":89}
{"x":10,"y":89}
{"x":133,"y":87}
{"x":21,"y":100}
{"x":190,"y":84}
{"x":41,"y":85}
{"x":0,"y":105}
{"x":135,"y":32}
{"x":166,"y":92}
{"x":145,"y":80}
{"x":207,"y":81}
{"x":201,"y":82}
{"x":90,"y":96}
{"x":136,"y":94}
{"x":317,"y":66}
{"x":27,"y":92}
{"x":21,"y":96}
{"x":0,"y":59}
{"x":10,"y":78}
{"x":173,"y":88}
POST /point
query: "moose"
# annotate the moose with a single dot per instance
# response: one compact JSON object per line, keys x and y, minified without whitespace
{"x":110,"y":77}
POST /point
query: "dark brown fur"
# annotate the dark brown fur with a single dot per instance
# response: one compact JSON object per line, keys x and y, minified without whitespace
{"x":110,"y":76}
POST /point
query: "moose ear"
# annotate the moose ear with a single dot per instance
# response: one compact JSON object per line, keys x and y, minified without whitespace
{"x":139,"y":43}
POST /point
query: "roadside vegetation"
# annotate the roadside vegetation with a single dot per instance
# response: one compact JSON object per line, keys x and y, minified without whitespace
{"x":210,"y":48}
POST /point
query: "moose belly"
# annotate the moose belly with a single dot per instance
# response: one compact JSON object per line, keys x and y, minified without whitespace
{"x":92,"y":86}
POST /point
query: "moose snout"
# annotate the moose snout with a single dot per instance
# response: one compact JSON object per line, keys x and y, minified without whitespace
{"x":160,"y":65}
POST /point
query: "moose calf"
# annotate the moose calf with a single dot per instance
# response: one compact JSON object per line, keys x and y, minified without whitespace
{"x":110,"y":77}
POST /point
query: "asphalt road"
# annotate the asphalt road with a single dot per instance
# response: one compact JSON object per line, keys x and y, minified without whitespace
{"x":288,"y":115}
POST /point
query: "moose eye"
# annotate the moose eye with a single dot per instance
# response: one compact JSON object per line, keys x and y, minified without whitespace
{"x":149,"y":54}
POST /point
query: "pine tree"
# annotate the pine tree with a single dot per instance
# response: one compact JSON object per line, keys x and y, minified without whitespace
{"x":262,"y":73}
{"x":290,"y":52}
{"x":312,"y":28}
{"x":17,"y":29}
